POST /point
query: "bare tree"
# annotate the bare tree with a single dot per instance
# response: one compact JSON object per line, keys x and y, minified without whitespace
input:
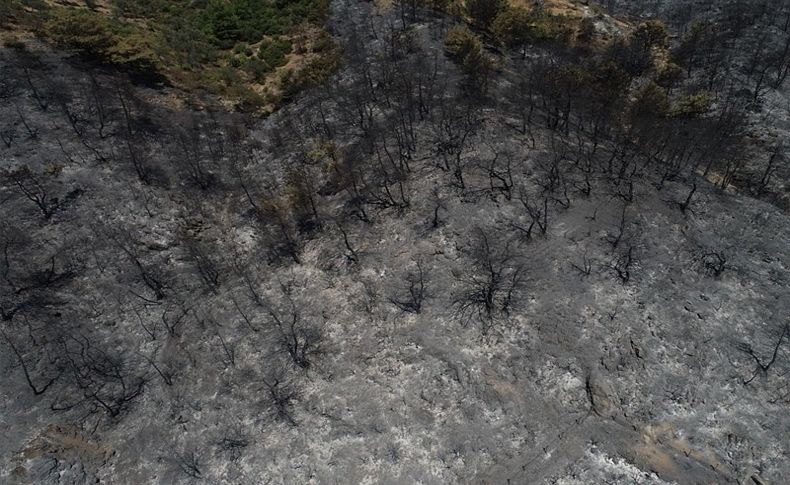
{"x":133,"y":137}
{"x":585,"y":268}
{"x":495,"y":276}
{"x":301,"y":340}
{"x":8,"y":134}
{"x":174,"y":317}
{"x":192,"y":154}
{"x":276,"y":220}
{"x":233,"y":443}
{"x":453,"y":132}
{"x":762,"y":366}
{"x":37,"y":188}
{"x":189,"y":463}
{"x":416,"y":291}
{"x":351,"y":255}
{"x":208,"y":267}
{"x":499,"y":170}
{"x":164,"y":371}
{"x":713,"y":262}
{"x":108,"y":382}
{"x":438,"y":205}
{"x":621,"y":229}
{"x":153,"y":277}
{"x":623,"y":264}
{"x":31,"y":279}
{"x":777,"y":155}
{"x":280,"y":395}
{"x":537,"y":212}
{"x":29,"y":378}
{"x":684,"y":206}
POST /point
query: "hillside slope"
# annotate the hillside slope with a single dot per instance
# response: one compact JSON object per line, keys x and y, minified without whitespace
{"x":452,"y":262}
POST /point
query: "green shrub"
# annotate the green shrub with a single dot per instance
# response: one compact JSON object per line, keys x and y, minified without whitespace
{"x":324,"y":43}
{"x":513,"y":27}
{"x":692,"y":106}
{"x":465,"y":47}
{"x":222,"y":78}
{"x":258,"y":69}
{"x":651,"y":101}
{"x":273,"y":52}
{"x":194,"y":43}
{"x":13,"y":43}
{"x":84,"y":30}
{"x":7,"y":9}
{"x":315,"y":72}
{"x":243,"y":48}
{"x":516,"y":27}
{"x":238,"y":61}
{"x":651,"y":34}
{"x":483,"y":12}
{"x":250,"y":20}
{"x":136,"y":52}
{"x":460,"y":42}
{"x":104,"y":39}
{"x":669,"y":75}
{"x":549,"y":27}
{"x":247,"y":99}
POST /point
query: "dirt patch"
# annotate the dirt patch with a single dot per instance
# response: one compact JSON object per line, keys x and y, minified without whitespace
{"x":664,"y":450}
{"x":65,"y":444}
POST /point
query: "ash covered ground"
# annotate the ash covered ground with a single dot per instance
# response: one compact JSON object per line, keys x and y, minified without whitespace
{"x":413,"y":273}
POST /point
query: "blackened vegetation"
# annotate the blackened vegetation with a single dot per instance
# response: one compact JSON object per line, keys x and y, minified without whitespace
{"x":415,"y":292}
{"x":300,"y":339}
{"x":233,"y":445}
{"x":713,"y":262}
{"x":280,"y":396}
{"x":764,"y":364}
{"x":491,"y":284}
{"x":149,"y":237}
{"x":189,"y":463}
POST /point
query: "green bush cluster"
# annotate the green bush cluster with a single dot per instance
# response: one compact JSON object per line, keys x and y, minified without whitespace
{"x":273,"y":51}
{"x":193,"y":43}
{"x":321,"y":68}
{"x":483,"y":12}
{"x":235,"y":21}
{"x":693,"y":105}
{"x":228,"y":22}
{"x":461,"y":41}
{"x":466,"y":48}
{"x":105,"y":39}
{"x":517,"y":27}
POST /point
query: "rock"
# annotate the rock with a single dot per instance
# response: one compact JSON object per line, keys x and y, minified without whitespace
{"x":601,"y":395}
{"x":637,"y":350}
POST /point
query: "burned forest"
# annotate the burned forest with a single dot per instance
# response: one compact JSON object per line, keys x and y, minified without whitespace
{"x":395,"y":242}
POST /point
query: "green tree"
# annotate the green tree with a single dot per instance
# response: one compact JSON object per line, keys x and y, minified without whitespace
{"x":82,"y":29}
{"x":225,"y":24}
{"x":692,"y":106}
{"x":669,"y":75}
{"x":460,"y":41}
{"x":273,"y":52}
{"x":7,"y":8}
{"x":483,"y":12}
{"x":651,"y":34}
{"x":651,"y":102}
{"x":586,"y":34}
{"x":688,"y":52}
{"x":465,"y":47}
{"x":513,"y":27}
{"x":106,"y":40}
